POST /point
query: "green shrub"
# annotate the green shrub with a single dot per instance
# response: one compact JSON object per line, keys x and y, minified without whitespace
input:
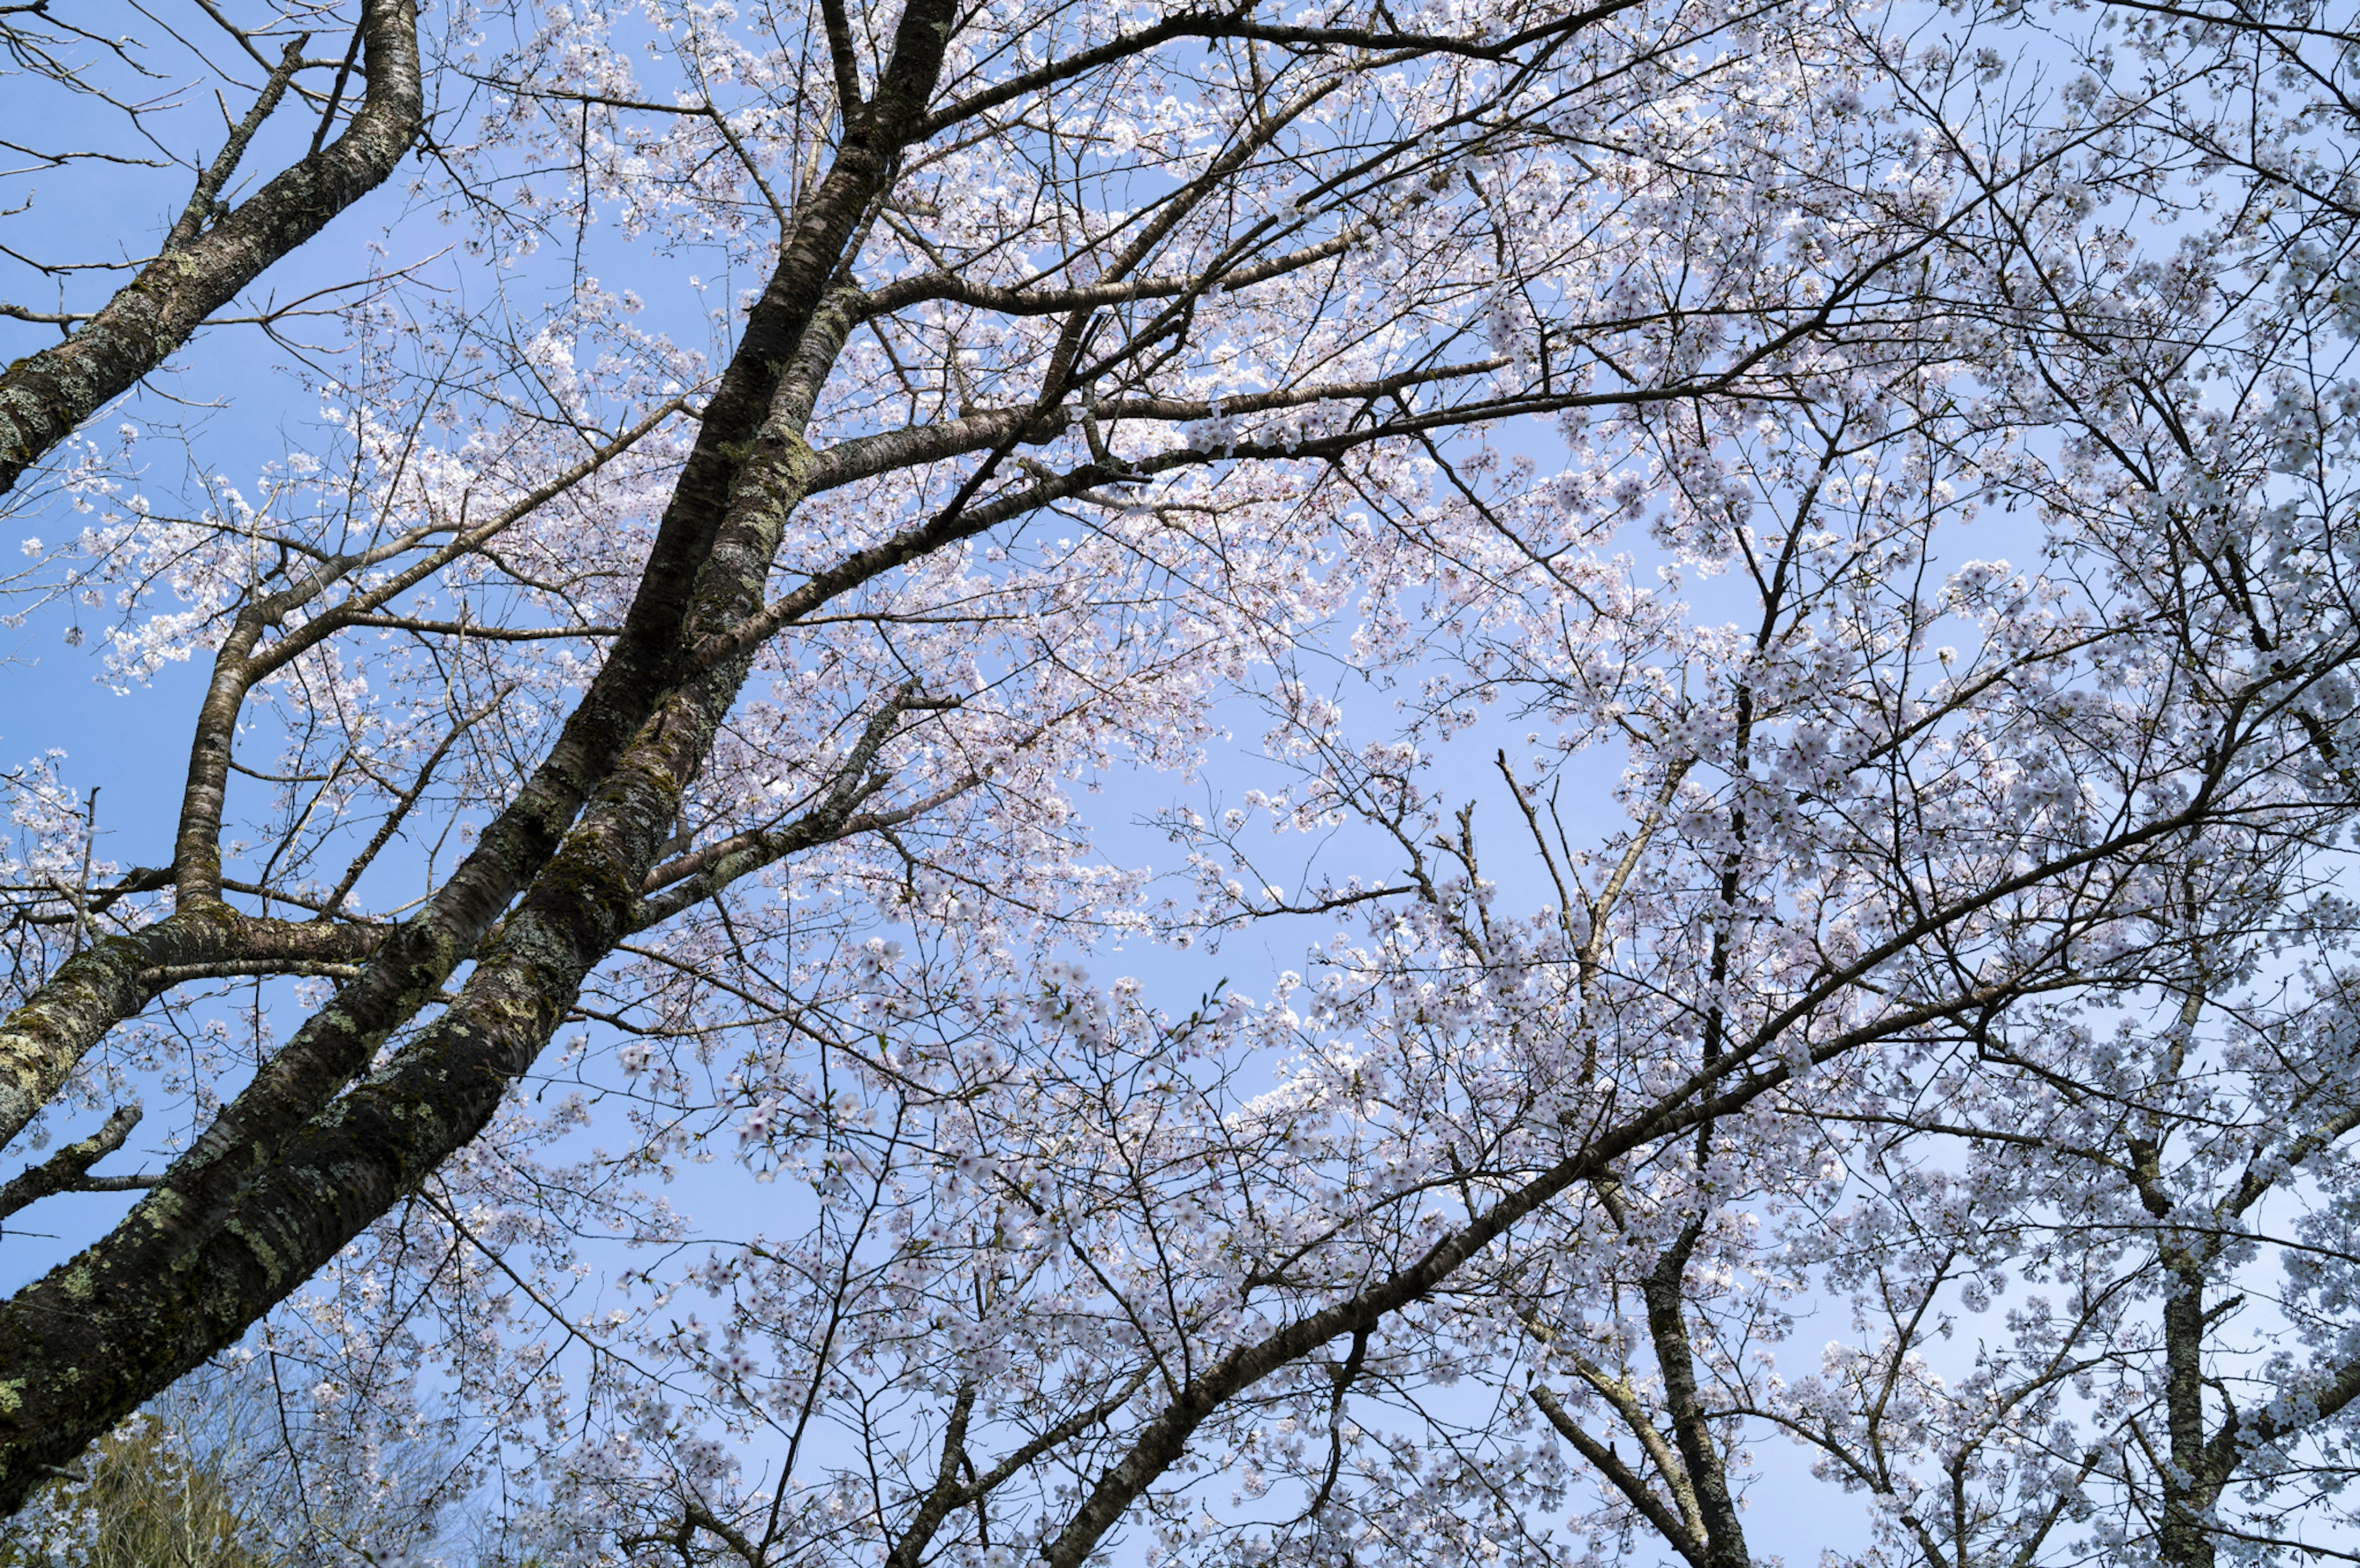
{"x":139,"y":1499}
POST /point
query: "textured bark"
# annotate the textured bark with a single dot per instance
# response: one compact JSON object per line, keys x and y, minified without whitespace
{"x":91,"y":993}
{"x":1707,"y":1478}
{"x":44,"y":396}
{"x":2185,"y":1540}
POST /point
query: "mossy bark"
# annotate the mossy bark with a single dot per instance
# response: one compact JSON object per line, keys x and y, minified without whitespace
{"x":91,"y":993}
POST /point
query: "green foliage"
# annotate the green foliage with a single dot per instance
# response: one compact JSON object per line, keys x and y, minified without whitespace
{"x":144,"y":1498}
{"x":235,"y":1466}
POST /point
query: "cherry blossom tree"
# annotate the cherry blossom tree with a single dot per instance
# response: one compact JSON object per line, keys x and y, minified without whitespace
{"x":2159,"y":1164}
{"x":622,"y":761}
